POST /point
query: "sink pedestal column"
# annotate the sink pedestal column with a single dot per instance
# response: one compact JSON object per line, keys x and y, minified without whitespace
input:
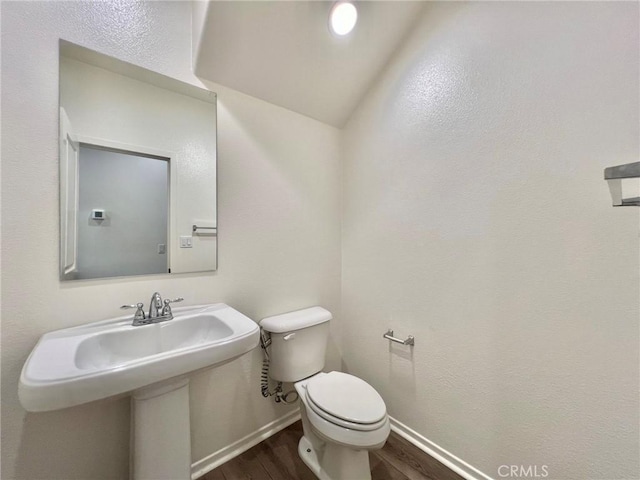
{"x":161,"y":432}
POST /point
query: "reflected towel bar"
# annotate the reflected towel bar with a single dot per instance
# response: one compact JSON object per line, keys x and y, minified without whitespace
{"x":195,"y":229}
{"x":614,"y":176}
{"x":389,"y":336}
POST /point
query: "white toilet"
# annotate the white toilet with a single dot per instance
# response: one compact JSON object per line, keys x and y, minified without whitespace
{"x":343,"y":417}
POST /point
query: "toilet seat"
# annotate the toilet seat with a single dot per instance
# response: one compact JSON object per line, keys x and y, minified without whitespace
{"x":347,"y":401}
{"x":332,"y":429}
{"x":363,"y":427}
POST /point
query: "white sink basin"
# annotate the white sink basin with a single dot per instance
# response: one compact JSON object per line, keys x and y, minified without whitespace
{"x":81,"y":364}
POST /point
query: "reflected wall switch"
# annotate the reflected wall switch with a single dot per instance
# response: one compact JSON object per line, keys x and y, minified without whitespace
{"x":162,"y":249}
{"x":186,"y":242}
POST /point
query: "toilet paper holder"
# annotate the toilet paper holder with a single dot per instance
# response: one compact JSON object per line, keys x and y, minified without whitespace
{"x":408,"y":341}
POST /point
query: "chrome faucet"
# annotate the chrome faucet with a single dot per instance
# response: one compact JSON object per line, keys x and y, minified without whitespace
{"x":159,"y":311}
{"x":155,"y":306}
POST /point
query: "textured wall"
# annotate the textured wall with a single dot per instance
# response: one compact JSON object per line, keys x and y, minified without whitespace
{"x":279,"y":243}
{"x":476,"y":218}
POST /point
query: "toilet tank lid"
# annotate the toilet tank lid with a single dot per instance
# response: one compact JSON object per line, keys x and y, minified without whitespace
{"x":296,"y":320}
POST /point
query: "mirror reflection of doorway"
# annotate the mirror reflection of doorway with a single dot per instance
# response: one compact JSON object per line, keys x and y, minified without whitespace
{"x":123,"y":213}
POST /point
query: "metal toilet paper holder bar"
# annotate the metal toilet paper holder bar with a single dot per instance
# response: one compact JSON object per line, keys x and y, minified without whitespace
{"x":408,"y":341}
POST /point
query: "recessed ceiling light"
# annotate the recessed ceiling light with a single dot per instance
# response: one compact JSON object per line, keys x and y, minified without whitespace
{"x":342,"y":18}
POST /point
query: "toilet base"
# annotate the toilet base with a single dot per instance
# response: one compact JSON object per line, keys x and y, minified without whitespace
{"x":309,"y":456}
{"x":335,"y":462}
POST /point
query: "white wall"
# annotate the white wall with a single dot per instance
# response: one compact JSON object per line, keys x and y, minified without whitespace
{"x":476,"y":218}
{"x":279,"y":242}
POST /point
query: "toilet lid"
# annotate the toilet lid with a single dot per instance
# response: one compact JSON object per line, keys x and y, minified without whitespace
{"x":347,"y":397}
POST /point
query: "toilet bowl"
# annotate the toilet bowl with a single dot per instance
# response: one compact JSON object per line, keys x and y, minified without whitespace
{"x":345,"y":409}
{"x":343,"y":417}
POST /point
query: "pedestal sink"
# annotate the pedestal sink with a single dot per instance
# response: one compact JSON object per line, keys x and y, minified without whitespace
{"x":151,"y":362}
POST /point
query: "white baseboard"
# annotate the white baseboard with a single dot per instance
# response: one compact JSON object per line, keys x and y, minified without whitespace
{"x":208,"y":463}
{"x":459,"y":466}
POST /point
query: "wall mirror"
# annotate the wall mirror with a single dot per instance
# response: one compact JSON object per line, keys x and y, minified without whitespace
{"x":137,"y":170}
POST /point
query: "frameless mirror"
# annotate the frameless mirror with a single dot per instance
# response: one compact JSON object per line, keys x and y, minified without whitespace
{"x":137,"y":170}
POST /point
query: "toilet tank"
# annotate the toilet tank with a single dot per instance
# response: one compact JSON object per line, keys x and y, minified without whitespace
{"x":298,"y":343}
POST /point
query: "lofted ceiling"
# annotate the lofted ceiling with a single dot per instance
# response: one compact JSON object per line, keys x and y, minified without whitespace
{"x":282,"y":51}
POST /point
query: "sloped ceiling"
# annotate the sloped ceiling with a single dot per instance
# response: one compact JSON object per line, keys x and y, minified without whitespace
{"x":282,"y":51}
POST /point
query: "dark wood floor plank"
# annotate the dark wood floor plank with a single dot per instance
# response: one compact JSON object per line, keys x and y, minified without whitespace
{"x":215,"y":474}
{"x":280,"y":457}
{"x":413,"y":462}
{"x":245,"y":467}
{"x":276,"y":458}
{"x":382,"y":470}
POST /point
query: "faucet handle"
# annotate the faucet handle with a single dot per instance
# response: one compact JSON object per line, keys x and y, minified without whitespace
{"x":139,"y":315}
{"x":166,"y":310}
